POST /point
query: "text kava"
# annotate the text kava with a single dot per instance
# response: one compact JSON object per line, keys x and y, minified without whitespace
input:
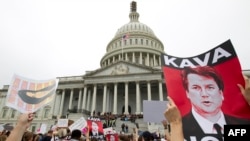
{"x":211,"y":57}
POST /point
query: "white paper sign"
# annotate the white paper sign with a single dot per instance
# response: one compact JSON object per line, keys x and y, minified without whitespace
{"x":79,"y":124}
{"x":153,"y":108}
{"x":27,"y":95}
{"x":62,"y":123}
{"x":43,"y":128}
{"x":108,"y":130}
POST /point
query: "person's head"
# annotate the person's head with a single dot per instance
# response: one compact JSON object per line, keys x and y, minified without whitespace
{"x":62,"y":133}
{"x":146,"y":136}
{"x":204,"y":87}
{"x":3,"y":137}
{"x":27,"y":136}
{"x":94,"y":127}
{"x":49,"y":133}
{"x":36,"y":137}
{"x":76,"y":134}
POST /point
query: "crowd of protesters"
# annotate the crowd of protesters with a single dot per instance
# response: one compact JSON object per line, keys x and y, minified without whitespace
{"x":21,"y":133}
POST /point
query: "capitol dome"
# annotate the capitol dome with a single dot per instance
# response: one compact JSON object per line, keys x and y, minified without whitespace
{"x":135,"y":27}
{"x":134,"y":42}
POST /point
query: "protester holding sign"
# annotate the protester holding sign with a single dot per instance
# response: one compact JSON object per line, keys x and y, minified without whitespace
{"x":23,"y":124}
{"x":245,"y":90}
{"x":173,"y":116}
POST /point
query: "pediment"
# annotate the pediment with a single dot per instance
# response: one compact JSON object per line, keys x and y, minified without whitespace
{"x":121,"y":68}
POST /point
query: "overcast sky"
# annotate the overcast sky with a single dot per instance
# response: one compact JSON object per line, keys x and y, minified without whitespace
{"x":44,"y":39}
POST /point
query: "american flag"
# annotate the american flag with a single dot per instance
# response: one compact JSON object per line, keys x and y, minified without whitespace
{"x":125,"y":37}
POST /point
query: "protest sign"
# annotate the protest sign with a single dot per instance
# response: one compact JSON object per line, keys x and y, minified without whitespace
{"x":96,"y":128}
{"x":204,"y":87}
{"x":27,"y":95}
{"x":62,"y":123}
{"x":79,"y":124}
{"x":112,"y":137}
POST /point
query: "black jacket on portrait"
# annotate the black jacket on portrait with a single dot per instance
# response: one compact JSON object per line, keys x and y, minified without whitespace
{"x":192,"y":128}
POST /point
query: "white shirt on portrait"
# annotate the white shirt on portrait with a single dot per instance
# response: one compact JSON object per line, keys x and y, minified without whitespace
{"x":208,"y":126}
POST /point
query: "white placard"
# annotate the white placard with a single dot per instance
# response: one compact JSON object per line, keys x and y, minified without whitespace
{"x":62,"y":123}
{"x":79,"y":124}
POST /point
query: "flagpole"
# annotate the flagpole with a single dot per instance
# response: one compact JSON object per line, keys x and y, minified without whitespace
{"x":122,"y":48}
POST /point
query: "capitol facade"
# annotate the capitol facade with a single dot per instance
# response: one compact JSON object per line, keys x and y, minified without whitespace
{"x":130,"y":72}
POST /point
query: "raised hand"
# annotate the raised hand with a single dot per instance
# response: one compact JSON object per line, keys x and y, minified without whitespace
{"x":245,"y":91}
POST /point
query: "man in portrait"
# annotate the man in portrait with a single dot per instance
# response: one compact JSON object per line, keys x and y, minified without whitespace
{"x":96,"y":131}
{"x":204,"y":88}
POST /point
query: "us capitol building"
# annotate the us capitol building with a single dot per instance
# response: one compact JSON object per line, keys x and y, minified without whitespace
{"x":130,"y":72}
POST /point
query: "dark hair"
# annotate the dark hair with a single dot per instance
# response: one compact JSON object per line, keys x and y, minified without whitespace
{"x":206,"y":71}
{"x":76,"y":134}
{"x":36,"y":137}
{"x":147,"y":136}
{"x":27,"y":136}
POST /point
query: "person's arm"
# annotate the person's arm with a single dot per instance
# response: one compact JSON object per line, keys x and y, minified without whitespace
{"x":135,"y":134}
{"x":166,"y":130}
{"x":23,"y":124}
{"x":87,"y":134}
{"x":245,"y":91}
{"x":173,"y":116}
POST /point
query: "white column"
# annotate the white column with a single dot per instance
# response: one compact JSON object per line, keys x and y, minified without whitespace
{"x":160,"y":91}
{"x":88,"y":102}
{"x":154,"y":60}
{"x":54,"y":103}
{"x":62,"y":102}
{"x":126,"y":99}
{"x":108,"y":99}
{"x":159,"y":60}
{"x":84,"y":98}
{"x":126,"y":56}
{"x":71,"y":98}
{"x":94,"y":99}
{"x":149,"y":90}
{"x":140,"y":58}
{"x":133,"y":57}
{"x":104,"y":98}
{"x":147,"y":59}
{"x":115,"y":99}
{"x":79,"y":100}
{"x":138,"y":106}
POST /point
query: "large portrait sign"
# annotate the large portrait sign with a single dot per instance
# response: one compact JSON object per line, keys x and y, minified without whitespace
{"x":96,"y":128}
{"x":204,"y":87}
{"x":27,"y":95}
